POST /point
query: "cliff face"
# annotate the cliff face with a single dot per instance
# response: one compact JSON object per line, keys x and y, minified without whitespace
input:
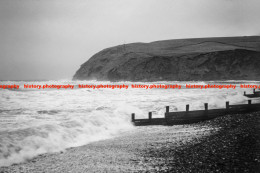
{"x":236,"y":58}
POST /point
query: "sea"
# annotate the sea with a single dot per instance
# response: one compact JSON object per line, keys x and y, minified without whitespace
{"x":36,"y":121}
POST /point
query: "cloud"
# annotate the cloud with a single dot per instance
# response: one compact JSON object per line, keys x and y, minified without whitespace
{"x":51,"y":38}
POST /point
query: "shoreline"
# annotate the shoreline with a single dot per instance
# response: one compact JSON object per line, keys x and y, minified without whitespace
{"x":225,"y":144}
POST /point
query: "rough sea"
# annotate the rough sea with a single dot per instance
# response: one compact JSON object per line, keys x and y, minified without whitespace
{"x":35,"y":121}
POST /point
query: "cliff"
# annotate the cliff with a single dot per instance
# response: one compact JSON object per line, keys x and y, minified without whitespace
{"x":227,"y":58}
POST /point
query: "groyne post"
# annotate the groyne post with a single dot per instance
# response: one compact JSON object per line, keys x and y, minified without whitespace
{"x":227,"y":105}
{"x":166,"y":113}
{"x":206,"y":108}
{"x":187,"y":108}
{"x":150,"y":115}
{"x":167,"y":109}
{"x":133,"y":117}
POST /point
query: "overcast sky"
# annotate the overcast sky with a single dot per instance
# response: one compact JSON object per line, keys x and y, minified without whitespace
{"x":50,"y":39}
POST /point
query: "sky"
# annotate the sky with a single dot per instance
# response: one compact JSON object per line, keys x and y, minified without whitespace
{"x":50,"y":39}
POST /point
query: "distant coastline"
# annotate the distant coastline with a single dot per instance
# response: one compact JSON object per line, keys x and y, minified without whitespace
{"x":198,"y":59}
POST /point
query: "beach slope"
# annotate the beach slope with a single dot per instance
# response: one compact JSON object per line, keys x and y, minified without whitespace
{"x":226,"y":144}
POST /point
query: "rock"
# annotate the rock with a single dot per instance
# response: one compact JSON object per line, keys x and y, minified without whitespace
{"x":230,"y":58}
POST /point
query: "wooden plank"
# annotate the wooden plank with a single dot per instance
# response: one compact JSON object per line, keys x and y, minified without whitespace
{"x":154,"y":121}
{"x":196,"y":113}
{"x":257,"y":94}
{"x":249,"y":106}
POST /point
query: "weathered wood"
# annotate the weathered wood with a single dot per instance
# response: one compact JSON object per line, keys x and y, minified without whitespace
{"x":255,"y":94}
{"x":133,"y":117}
{"x":206,"y":106}
{"x":146,"y":122}
{"x":252,"y":95}
{"x":167,"y":108}
{"x":184,"y":117}
{"x":195,"y":114}
{"x":187,"y":108}
{"x":249,"y":105}
{"x":227,"y":105}
{"x":150,"y":115}
{"x":206,"y":109}
{"x":238,"y":106}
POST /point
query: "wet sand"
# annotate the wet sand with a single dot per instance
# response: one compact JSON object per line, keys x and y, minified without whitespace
{"x":225,"y":144}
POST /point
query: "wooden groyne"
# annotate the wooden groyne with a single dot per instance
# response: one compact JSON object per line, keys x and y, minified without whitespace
{"x":255,"y":94}
{"x":186,"y":117}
